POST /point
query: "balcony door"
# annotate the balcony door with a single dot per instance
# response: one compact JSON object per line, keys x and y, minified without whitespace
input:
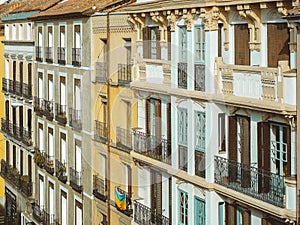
{"x":153,"y":118}
{"x":51,"y":196}
{"x":78,"y":166}
{"x":156,"y":193}
{"x":241,"y":44}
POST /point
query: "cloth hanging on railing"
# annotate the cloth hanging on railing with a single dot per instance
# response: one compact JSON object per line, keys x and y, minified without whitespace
{"x":120,"y":199}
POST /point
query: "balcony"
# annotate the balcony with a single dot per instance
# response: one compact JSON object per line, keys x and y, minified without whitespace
{"x":76,"y":56}
{"x":76,"y":180}
{"x":12,"y":87}
{"x":152,"y":146}
{"x":75,"y":118}
{"x":257,"y":183}
{"x":61,"y":55}
{"x":27,"y":91}
{"x":38,"y":54}
{"x":49,"y":164}
{"x":200,"y":164}
{"x":124,"y":139}
{"x":182,"y":157}
{"x":5,"y":83}
{"x":199,"y":77}
{"x":39,"y":158}
{"x":43,"y":107}
{"x":49,"y":54}
{"x":144,"y":215}
{"x":101,"y":73}
{"x":128,"y":211}
{"x":12,"y":175}
{"x":60,"y":171}
{"x":60,"y":113}
{"x":124,"y":74}
{"x":100,"y":131}
{"x":38,"y":213}
{"x":18,"y":88}
{"x":182,"y":75}
{"x":99,"y":188}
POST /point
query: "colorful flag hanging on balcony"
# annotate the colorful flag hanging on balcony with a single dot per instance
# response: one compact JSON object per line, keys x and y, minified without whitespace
{"x":120,"y":199}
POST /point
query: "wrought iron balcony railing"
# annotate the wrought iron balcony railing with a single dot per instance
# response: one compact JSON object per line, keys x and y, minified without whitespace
{"x":38,"y":53}
{"x":182,"y":75}
{"x":49,"y":163}
{"x":144,"y":215}
{"x":61,"y":171}
{"x":61,"y":113}
{"x":12,"y":175}
{"x":49,"y":54}
{"x":257,"y":183}
{"x":27,"y":91}
{"x":38,"y":212}
{"x":199,"y":77}
{"x":101,"y":72}
{"x":76,"y":56}
{"x":43,"y":107}
{"x":152,"y":146}
{"x":19,"y":89}
{"x":182,"y":157}
{"x":124,"y":139}
{"x":100,"y":131}
{"x":99,"y":188}
{"x":12,"y":87}
{"x":75,"y":118}
{"x":5,"y":83}
{"x":200,"y":163}
{"x":76,"y":180}
{"x":128,"y":211}
{"x":124,"y":73}
{"x":61,"y":55}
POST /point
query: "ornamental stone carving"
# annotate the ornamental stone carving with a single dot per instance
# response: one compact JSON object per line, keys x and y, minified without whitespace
{"x":210,"y":18}
{"x":172,"y":20}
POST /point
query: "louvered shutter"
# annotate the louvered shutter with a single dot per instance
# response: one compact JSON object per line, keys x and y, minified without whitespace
{"x":245,"y":154}
{"x":170,"y":198}
{"x":158,"y":193}
{"x":246,"y":217}
{"x":232,"y":148}
{"x":230,"y":214}
{"x":169,"y":42}
{"x":263,"y":150}
{"x":146,"y":43}
{"x":241,"y":44}
{"x":148,"y":116}
{"x":158,"y":48}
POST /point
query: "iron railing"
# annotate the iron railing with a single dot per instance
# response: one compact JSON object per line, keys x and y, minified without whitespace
{"x":152,"y":146}
{"x":76,"y":180}
{"x":60,"y":113}
{"x":124,"y":139}
{"x":76,"y":56}
{"x":199,"y":77}
{"x":101,"y":72}
{"x":200,"y":163}
{"x":60,"y":171}
{"x":144,"y":215}
{"x":75,"y":118}
{"x":38,"y":212}
{"x":99,"y":188}
{"x":249,"y":180}
{"x":61,"y":55}
{"x":100,"y":131}
{"x":12,"y":87}
{"x":124,"y":73}
{"x":18,"y":86}
{"x":5,"y":83}
{"x":38,"y":53}
{"x":182,"y":157}
{"x":182,"y":75}
{"x":27,"y":91}
{"x":43,"y":107}
{"x":49,"y":54}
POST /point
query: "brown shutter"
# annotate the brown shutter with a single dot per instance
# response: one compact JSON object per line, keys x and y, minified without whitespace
{"x":221,"y":127}
{"x":21,"y":162}
{"x":245,"y":155}
{"x":21,"y":72}
{"x":232,"y":148}
{"x":230,"y":215}
{"x":14,"y":156}
{"x":220,"y":39}
{"x":29,"y":73}
{"x":287,"y":139}
{"x":148,"y":116}
{"x":241,"y":44}
{"x":169,"y":42}
{"x":146,"y":43}
{"x":158,"y":49}
{"x":158,"y":119}
{"x":263,"y":150}
{"x":158,"y":193}
{"x":246,"y":217}
{"x":129,"y":181}
{"x":7,"y":151}
{"x":170,"y":199}
{"x":278,"y":39}
{"x":29,"y":172}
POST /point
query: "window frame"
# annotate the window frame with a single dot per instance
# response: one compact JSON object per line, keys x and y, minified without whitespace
{"x":184,"y":205}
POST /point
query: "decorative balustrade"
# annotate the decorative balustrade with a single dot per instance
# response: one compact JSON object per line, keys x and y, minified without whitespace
{"x":75,"y":118}
{"x":124,"y":73}
{"x":124,"y":139}
{"x":76,"y":180}
{"x":257,"y":183}
{"x":18,"y":88}
{"x":152,"y":146}
{"x":60,"y":113}
{"x":12,"y":87}
{"x":76,"y":56}
{"x":99,"y":188}
{"x":144,"y":215}
{"x":100,"y":131}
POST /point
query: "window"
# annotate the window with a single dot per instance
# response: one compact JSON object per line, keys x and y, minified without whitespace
{"x":40,"y":37}
{"x":64,"y":209}
{"x":183,"y":208}
{"x":62,"y":91}
{"x":78,"y":213}
{"x":151,"y":44}
{"x":199,"y":43}
{"x":182,"y":44}
{"x":279,"y":149}
{"x":51,"y":196}
{"x":13,"y":32}
{"x":29,"y":31}
{"x":182,"y":126}
{"x":77,"y":94}
{"x":200,"y":131}
{"x":41,"y":192}
{"x":40,"y":85}
{"x":50,"y":143}
{"x":6,"y":32}
{"x":78,"y":166}
{"x":41,"y":137}
{"x":241,"y":44}
{"x":221,"y":131}
{"x":63,"y":150}
{"x":153,"y":117}
{"x":62,"y":45}
{"x":199,"y":212}
{"x":221,"y":213}
{"x":20,"y":31}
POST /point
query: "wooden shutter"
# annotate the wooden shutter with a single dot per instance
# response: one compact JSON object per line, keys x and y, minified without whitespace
{"x":146,"y":43}
{"x":7,"y":149}
{"x":21,"y":72}
{"x":29,"y":73}
{"x":29,"y":166}
{"x":157,"y":118}
{"x":158,"y":48}
{"x":170,"y":199}
{"x":21,"y":162}
{"x":287,"y":139}
{"x":278,"y":39}
{"x":129,"y":171}
{"x":230,"y":214}
{"x":263,"y":151}
{"x":221,"y":127}
{"x":246,"y":214}
{"x":245,"y":154}
{"x":241,"y":44}
{"x":232,"y":148}
{"x":159,"y":193}
{"x":169,"y":42}
{"x":14,"y":156}
{"x":220,"y":39}
{"x":14,"y":70}
{"x":148,"y":128}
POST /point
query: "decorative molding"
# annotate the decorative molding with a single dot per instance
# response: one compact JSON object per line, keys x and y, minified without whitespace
{"x":210,"y":18}
{"x":224,"y":18}
{"x":172,"y":19}
{"x":281,"y":9}
{"x":189,"y":20}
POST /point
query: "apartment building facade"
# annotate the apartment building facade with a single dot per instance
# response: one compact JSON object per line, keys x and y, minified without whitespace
{"x":231,"y":91}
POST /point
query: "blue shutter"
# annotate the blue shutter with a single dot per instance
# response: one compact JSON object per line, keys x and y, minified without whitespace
{"x":199,"y":212}
{"x":199,"y":131}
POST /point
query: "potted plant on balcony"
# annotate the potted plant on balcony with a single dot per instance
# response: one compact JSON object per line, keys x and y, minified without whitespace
{"x":25,"y":178}
{"x":60,"y":173}
{"x":39,"y":159}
